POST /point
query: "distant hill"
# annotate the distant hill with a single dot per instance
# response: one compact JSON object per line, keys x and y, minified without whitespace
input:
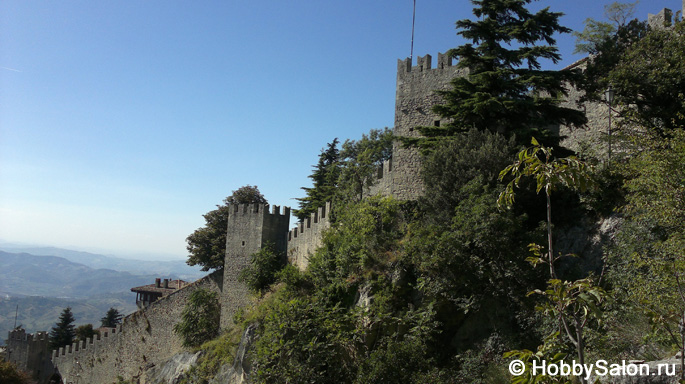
{"x":43,"y":281}
{"x":137,"y":267}
{"x":42,"y":286}
{"x":23,"y":274}
{"x":42,"y":313}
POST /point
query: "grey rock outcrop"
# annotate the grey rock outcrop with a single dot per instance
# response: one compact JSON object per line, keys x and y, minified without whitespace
{"x":172,"y":371}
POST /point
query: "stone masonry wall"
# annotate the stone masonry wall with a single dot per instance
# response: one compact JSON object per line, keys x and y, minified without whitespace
{"x":304,"y":239}
{"x":414,"y":98}
{"x":30,"y":352}
{"x":383,"y":184}
{"x":591,"y":140}
{"x":143,"y":340}
{"x":250,"y":227}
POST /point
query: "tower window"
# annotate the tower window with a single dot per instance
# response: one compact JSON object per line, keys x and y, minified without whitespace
{"x":436,"y":123}
{"x":243,"y":243}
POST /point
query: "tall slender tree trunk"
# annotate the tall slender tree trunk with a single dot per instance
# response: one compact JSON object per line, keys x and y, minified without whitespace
{"x":550,"y":251}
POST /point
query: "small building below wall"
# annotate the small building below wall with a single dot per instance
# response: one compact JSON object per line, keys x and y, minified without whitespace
{"x":148,"y":294}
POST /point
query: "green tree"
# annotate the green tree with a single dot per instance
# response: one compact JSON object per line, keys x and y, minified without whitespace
{"x":199,"y":319}
{"x":595,"y":33}
{"x":207,"y":245}
{"x":647,"y":261}
{"x":325,"y":180}
{"x":649,"y":81}
{"x":261,"y":272}
{"x":112,"y":318}
{"x":63,"y":334}
{"x":360,"y":161}
{"x":10,"y":374}
{"x":85,"y":332}
{"x":506,"y":89}
{"x":573,"y":303}
{"x":550,"y":174}
{"x":456,"y":162}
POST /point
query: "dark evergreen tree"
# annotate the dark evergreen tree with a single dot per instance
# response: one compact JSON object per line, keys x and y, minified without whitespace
{"x":506,"y":90}
{"x":207,"y":245}
{"x":325,"y":180}
{"x":111,"y":319}
{"x":63,"y":333}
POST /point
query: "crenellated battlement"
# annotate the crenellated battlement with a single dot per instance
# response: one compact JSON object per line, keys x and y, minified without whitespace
{"x":106,"y":337}
{"x":29,"y":351}
{"x":257,"y":208}
{"x":20,"y":335}
{"x":423,"y":63}
{"x":661,"y":20}
{"x":306,"y":237}
{"x":315,"y":218}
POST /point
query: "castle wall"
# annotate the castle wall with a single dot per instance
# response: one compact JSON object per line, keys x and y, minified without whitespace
{"x":592,"y":140}
{"x":414,"y":98}
{"x":30,"y":352}
{"x":304,"y":239}
{"x":383,"y":184}
{"x":250,"y":227}
{"x":144,"y":339}
{"x":661,"y":20}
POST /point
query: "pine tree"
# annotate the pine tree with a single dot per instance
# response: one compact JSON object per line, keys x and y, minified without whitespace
{"x":63,"y":333}
{"x":506,"y":90}
{"x":111,"y":319}
{"x":325,"y":179}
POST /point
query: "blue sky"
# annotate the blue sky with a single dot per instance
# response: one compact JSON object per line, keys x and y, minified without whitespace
{"x":121,"y":123}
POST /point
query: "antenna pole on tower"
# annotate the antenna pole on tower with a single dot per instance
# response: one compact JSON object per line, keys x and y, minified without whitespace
{"x":413,"y":22}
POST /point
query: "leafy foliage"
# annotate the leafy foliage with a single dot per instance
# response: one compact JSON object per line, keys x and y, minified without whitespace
{"x":459,"y":160}
{"x":649,"y":81}
{"x":359,"y":161}
{"x":549,"y":173}
{"x":10,"y":374}
{"x":261,"y":272}
{"x":199,"y":319}
{"x":364,"y":236}
{"x":207,"y":245}
{"x":506,"y":90}
{"x":217,"y":352}
{"x":63,"y":333}
{"x":595,"y":34}
{"x":303,"y":342}
{"x":85,"y":332}
{"x":647,"y":260}
{"x":573,"y":303}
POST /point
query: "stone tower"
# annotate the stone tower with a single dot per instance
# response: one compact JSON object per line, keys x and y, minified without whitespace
{"x":250,"y":227}
{"x":414,"y":99}
{"x":30,"y":352}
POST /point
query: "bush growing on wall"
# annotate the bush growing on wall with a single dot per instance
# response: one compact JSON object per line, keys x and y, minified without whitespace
{"x":199,"y":319}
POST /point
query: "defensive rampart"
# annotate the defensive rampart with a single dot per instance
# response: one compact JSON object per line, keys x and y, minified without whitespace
{"x":250,"y":227}
{"x":30,"y":353}
{"x":304,"y":239}
{"x":143,"y":340}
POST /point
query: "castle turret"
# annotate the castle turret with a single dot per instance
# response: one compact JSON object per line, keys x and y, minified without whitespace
{"x":250,"y":227}
{"x":414,"y":100}
{"x":30,"y":352}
